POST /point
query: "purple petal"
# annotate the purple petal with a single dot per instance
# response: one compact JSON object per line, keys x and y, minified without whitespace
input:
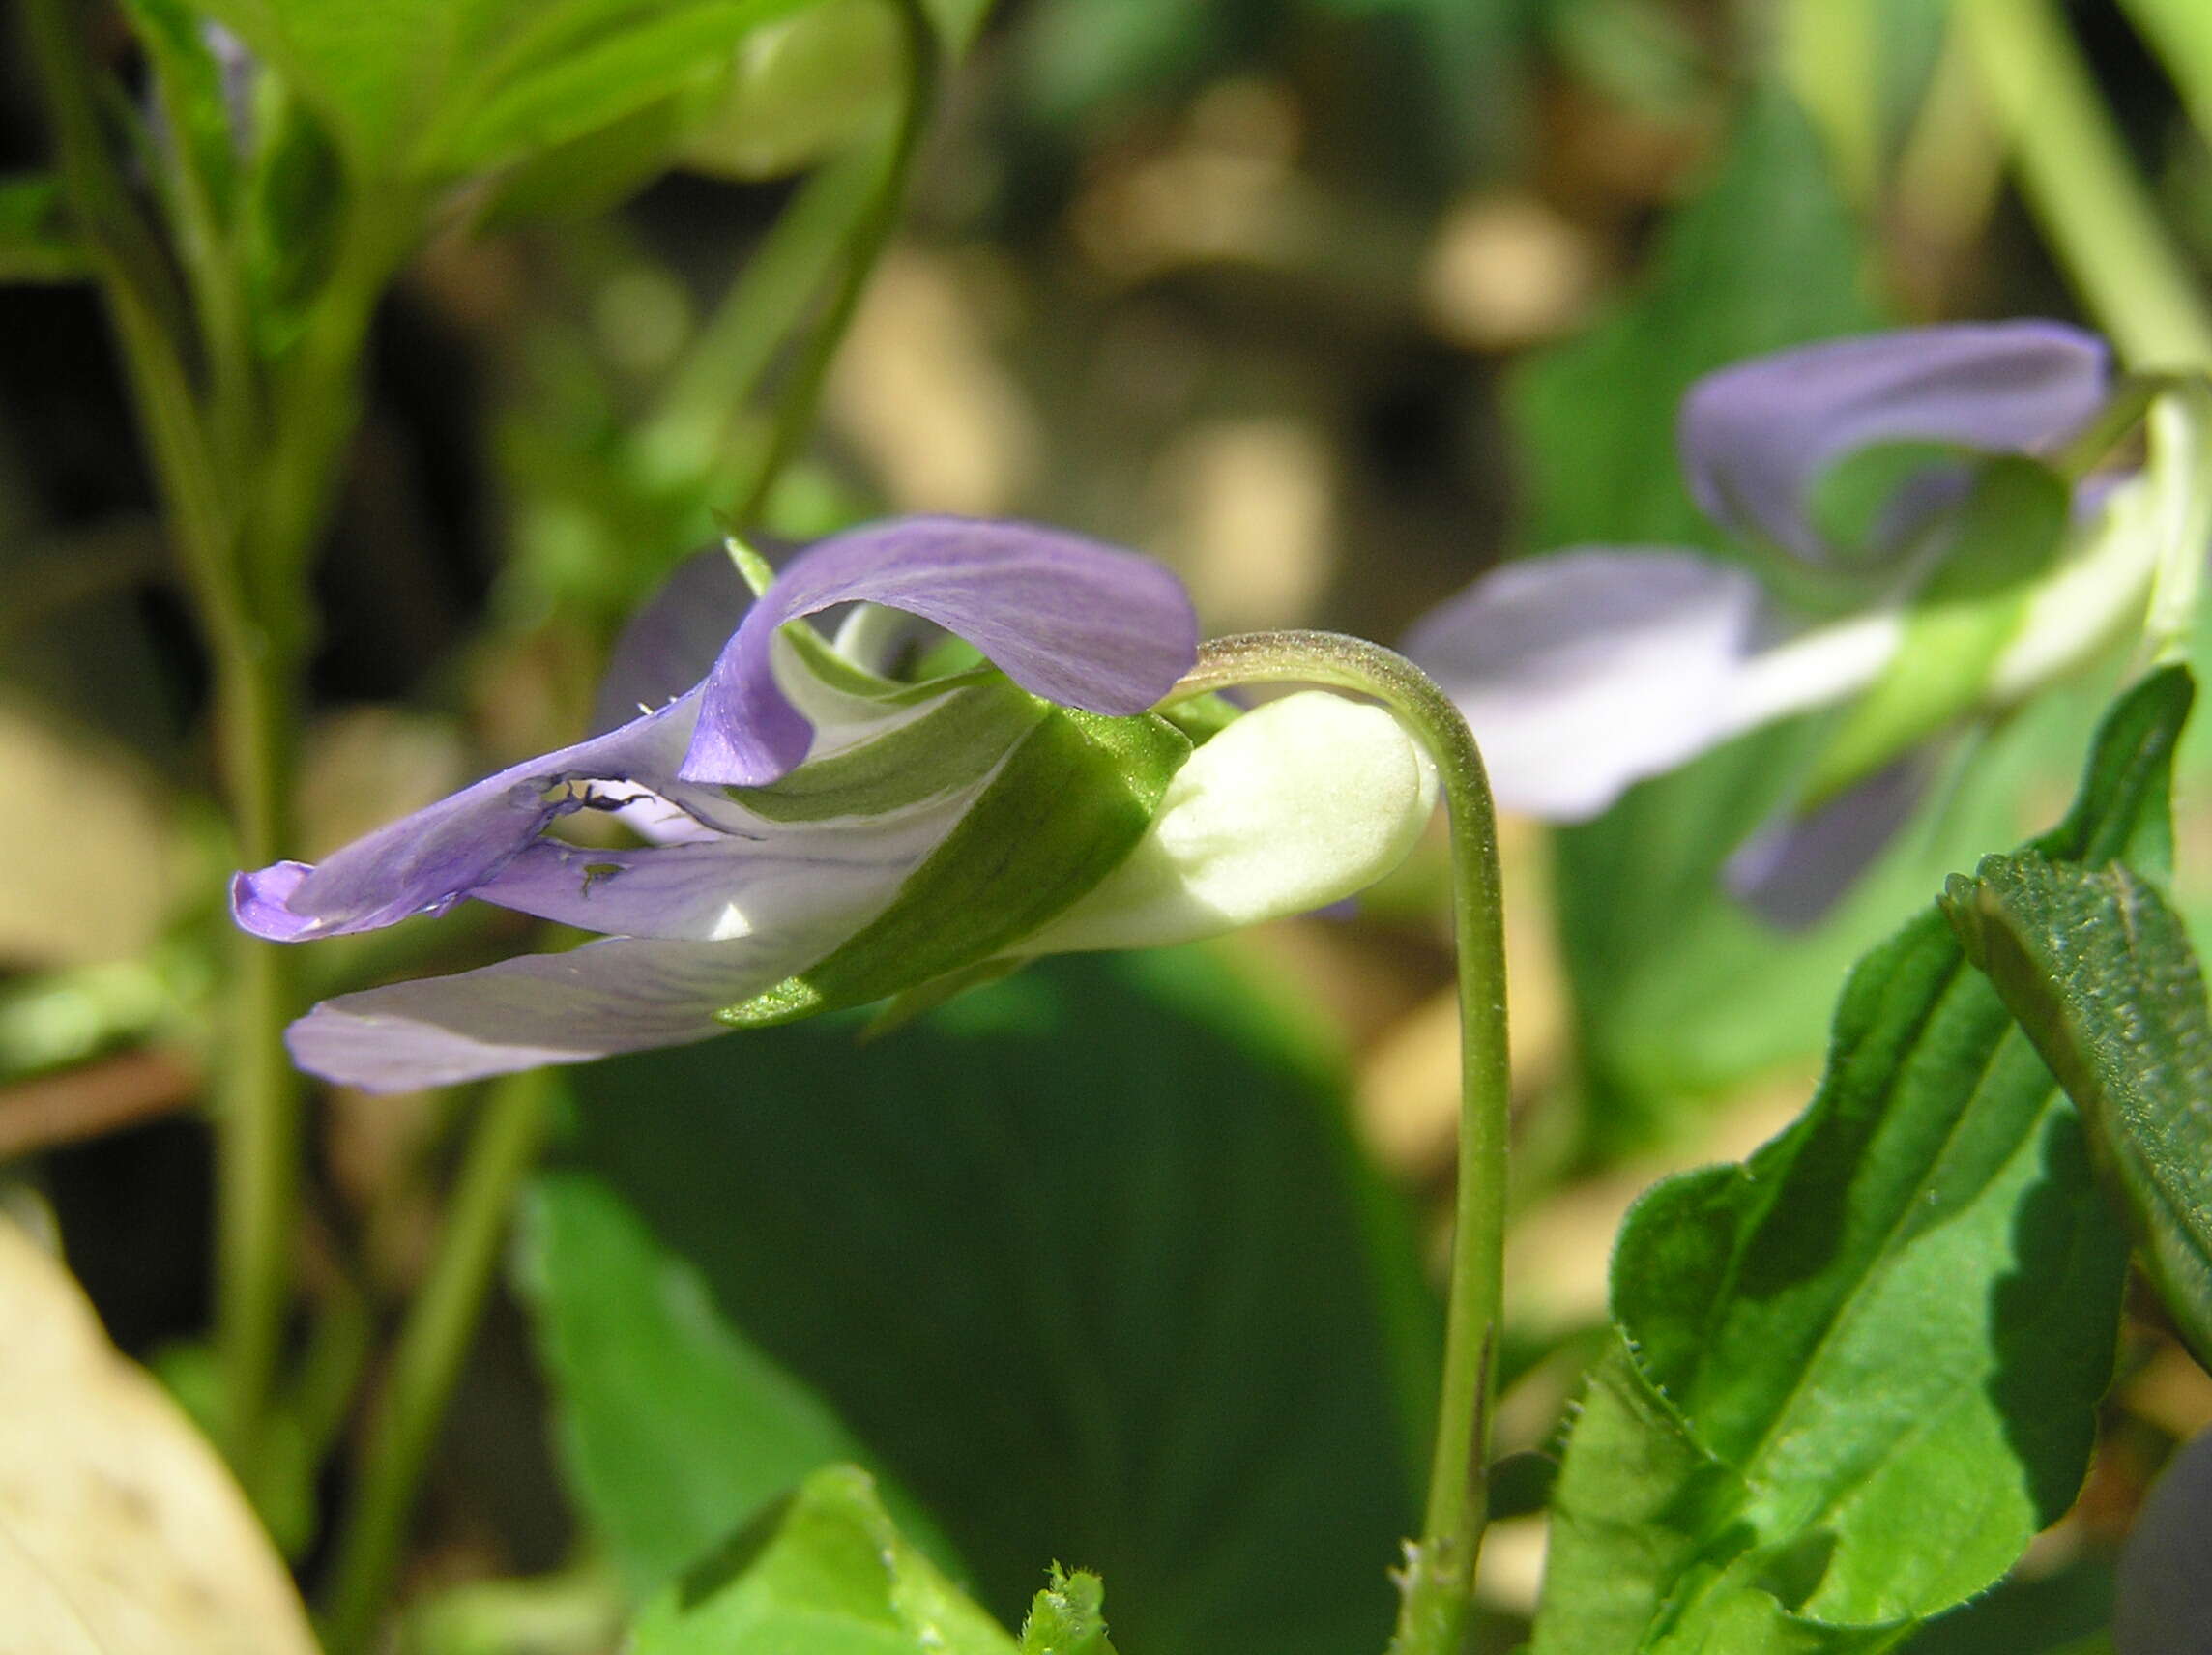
{"x":1583,"y":672}
{"x":670,"y":644}
{"x":426,"y":863}
{"x":799,"y":881}
{"x":622,"y":994}
{"x":1791,"y":873}
{"x":1066,"y":617}
{"x":1758,"y":437}
{"x":259,"y":902}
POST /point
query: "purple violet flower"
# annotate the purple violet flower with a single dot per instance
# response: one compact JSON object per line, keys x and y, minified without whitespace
{"x":1587,"y":670}
{"x":789,"y":791}
{"x":736,"y":895}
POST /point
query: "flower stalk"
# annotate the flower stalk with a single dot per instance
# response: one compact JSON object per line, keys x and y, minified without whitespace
{"x":1438,"y":1583}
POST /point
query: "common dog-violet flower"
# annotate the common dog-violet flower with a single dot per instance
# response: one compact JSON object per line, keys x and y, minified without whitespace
{"x":819,"y":833}
{"x":1586,"y":669}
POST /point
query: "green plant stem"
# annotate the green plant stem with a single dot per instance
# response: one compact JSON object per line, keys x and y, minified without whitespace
{"x":1830,"y":46}
{"x":258,"y":1103}
{"x":1948,"y":177}
{"x":313,"y":402}
{"x":2078,"y":178}
{"x":1439,"y":1579}
{"x":432,"y":1347}
{"x":246,"y":453}
{"x":724,"y":366}
{"x":795,"y":410}
{"x":2180,"y":32}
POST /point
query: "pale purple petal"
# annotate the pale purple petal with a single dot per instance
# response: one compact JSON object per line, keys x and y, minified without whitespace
{"x":799,"y":880}
{"x":258,"y":902}
{"x":1588,"y":670}
{"x":1793,"y":872}
{"x":670,"y":644}
{"x":1066,"y":617}
{"x":624,"y":994}
{"x":426,"y":863}
{"x":1758,"y":437}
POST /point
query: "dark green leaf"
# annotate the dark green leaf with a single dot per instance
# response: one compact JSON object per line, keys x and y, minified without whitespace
{"x":37,"y":242}
{"x":676,"y":1428}
{"x":1086,"y":1261}
{"x":1071,"y":802}
{"x":2098,"y":968}
{"x":826,"y":1574}
{"x":2064,"y":1614}
{"x":1857,"y":1373}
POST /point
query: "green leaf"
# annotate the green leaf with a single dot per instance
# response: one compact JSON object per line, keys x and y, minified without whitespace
{"x":1069,"y":1617}
{"x":1061,"y":1254}
{"x":1071,"y":802}
{"x":654,"y":1383}
{"x":1857,"y":1373}
{"x":431,"y":89}
{"x":297,"y":199}
{"x":2098,"y":970}
{"x":1767,"y":257}
{"x":36,"y":242}
{"x":828,"y":1574}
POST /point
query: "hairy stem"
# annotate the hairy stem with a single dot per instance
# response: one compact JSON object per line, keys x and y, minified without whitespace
{"x":1437,"y":1583}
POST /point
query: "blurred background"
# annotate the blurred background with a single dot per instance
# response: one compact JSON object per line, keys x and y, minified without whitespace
{"x":1331,"y":304}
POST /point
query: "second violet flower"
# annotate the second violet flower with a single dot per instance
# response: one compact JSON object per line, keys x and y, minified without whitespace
{"x":1972,"y":573}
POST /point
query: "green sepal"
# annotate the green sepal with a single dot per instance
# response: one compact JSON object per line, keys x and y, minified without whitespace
{"x":958,"y":739}
{"x":1068,"y":805}
{"x":2007,"y":534}
{"x":1201,"y":718}
{"x":36,"y":240}
{"x":1069,"y":1617}
{"x":825,"y":1571}
{"x":2097,"y":968}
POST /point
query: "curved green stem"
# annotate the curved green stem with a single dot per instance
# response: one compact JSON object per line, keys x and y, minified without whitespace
{"x":795,"y":414}
{"x":2079,"y":180}
{"x":432,"y":1347}
{"x":1439,"y":1579}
